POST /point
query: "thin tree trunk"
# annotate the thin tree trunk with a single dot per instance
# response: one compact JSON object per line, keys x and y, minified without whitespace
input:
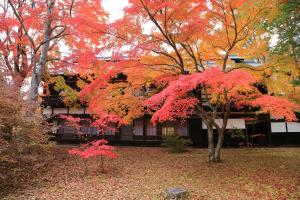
{"x":85,"y":167}
{"x":217,"y":156}
{"x":39,"y":69}
{"x":102,"y":163}
{"x":295,"y":57}
{"x":247,"y":138}
{"x":211,"y":146}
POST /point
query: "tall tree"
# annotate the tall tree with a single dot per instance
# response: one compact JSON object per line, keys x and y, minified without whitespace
{"x":286,"y":26}
{"x":181,"y":36}
{"x":282,"y":23}
{"x":33,"y":32}
{"x":178,"y":37}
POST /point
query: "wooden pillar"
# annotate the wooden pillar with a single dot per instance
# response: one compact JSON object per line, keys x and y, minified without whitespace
{"x":286,"y":135}
{"x":159,"y":130}
{"x":269,"y":130}
{"x":144,"y":128}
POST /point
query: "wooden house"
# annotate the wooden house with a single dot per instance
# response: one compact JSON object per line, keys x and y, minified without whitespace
{"x":258,"y":128}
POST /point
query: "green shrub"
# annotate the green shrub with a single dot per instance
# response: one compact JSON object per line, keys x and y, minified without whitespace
{"x":175,"y":143}
{"x":237,"y":134}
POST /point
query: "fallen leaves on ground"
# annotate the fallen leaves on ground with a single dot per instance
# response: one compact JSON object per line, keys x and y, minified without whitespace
{"x":145,"y":173}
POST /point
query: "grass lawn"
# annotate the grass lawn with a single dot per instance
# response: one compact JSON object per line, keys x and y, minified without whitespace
{"x":145,"y":173}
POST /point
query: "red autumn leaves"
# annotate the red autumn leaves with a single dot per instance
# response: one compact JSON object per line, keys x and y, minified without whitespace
{"x":181,"y":98}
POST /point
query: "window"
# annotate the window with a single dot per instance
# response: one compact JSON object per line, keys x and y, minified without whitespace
{"x":182,"y":129}
{"x":138,"y":127}
{"x":168,"y":130}
{"x":109,"y":131}
{"x":126,"y":129}
{"x":151,"y":129}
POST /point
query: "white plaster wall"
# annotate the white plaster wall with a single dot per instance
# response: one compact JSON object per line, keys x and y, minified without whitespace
{"x":231,"y":124}
{"x":76,"y":111}
{"x":60,"y":110}
{"x":293,"y":127}
{"x":47,"y":111}
{"x":278,"y":127}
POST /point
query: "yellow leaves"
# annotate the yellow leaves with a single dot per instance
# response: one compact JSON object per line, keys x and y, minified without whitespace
{"x":81,"y":84}
{"x":143,"y":75}
{"x":268,"y":72}
{"x":59,"y":82}
{"x":120,"y":99}
{"x":279,"y":76}
{"x":237,"y":29}
{"x":273,"y":11}
{"x":69,"y":95}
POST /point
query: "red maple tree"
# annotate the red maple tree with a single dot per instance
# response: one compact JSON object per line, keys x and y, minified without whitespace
{"x":221,"y":91}
{"x":93,"y":150}
{"x":97,"y":148}
{"x":33,"y":32}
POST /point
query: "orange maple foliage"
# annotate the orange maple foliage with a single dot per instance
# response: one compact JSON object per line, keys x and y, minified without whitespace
{"x":185,"y":35}
{"x":157,"y":40}
{"x":22,"y":30}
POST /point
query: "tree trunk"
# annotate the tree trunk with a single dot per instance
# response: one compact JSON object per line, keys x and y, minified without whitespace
{"x":217,"y":156}
{"x":211,"y":146}
{"x":39,"y":68}
{"x":294,"y":54}
{"x":247,"y":138}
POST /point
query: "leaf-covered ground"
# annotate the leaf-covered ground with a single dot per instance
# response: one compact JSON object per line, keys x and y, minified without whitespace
{"x":145,"y":173}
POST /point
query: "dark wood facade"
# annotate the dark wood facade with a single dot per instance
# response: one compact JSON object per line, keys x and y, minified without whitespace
{"x":261,"y":131}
